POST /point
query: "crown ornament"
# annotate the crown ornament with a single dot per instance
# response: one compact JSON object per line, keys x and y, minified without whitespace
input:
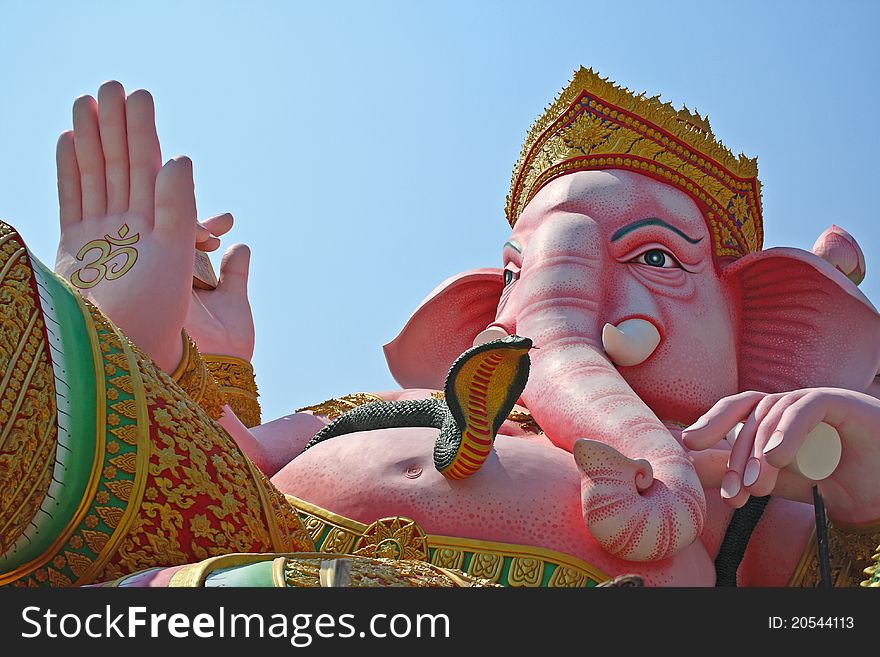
{"x":595,"y":125}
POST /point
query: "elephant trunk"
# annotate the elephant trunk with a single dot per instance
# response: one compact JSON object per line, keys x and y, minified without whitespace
{"x":642,"y":499}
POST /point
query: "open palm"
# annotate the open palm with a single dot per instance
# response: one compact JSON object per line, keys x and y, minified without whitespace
{"x":128,"y":224}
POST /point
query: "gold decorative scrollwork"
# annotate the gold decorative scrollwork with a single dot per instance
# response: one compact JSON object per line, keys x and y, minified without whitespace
{"x":195,"y":378}
{"x":28,"y":429}
{"x":338,"y":541}
{"x":525,"y":572}
{"x":394,"y":538}
{"x":596,"y":125}
{"x":526,"y":421}
{"x":237,"y":384}
{"x":486,"y":566}
{"x":333,"y":408}
{"x":565,"y":577}
{"x":448,"y":558}
{"x":303,"y":571}
{"x":314,"y":527}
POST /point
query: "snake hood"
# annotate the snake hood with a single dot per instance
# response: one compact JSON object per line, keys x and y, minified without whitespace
{"x":481,"y":389}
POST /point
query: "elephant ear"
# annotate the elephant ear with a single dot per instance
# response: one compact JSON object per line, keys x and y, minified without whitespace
{"x":443,"y":327}
{"x":803,"y":324}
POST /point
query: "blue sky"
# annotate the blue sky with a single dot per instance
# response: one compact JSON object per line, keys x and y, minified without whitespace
{"x":365,"y":149}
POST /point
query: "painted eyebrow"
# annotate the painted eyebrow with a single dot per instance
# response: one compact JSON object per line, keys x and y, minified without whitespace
{"x":652,"y":221}
{"x":513,"y":245}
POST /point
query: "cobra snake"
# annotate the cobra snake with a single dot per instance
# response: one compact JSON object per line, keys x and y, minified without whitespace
{"x":481,"y":389}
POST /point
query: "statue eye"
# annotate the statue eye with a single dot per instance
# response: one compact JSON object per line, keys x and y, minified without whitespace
{"x":658,"y":258}
{"x":510,"y":276}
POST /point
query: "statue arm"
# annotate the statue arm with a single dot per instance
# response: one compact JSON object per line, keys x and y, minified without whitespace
{"x":107,"y":448}
{"x":273,"y":445}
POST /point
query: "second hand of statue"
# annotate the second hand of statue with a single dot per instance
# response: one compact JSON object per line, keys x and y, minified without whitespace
{"x":219,"y":320}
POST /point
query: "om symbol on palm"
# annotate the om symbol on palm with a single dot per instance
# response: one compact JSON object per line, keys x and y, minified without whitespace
{"x":106,"y":253}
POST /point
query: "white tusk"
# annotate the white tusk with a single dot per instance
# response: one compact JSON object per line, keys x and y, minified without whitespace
{"x":491,"y":333}
{"x":630,"y":342}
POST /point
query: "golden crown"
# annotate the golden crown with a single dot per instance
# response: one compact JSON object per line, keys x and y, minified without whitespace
{"x":594,"y":124}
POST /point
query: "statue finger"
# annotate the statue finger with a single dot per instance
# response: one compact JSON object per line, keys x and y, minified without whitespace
{"x":715,"y":424}
{"x":218,"y":224}
{"x":175,"y":203}
{"x":732,"y":489}
{"x":69,"y":190}
{"x":89,"y":157}
{"x":759,"y":476}
{"x":795,"y":423}
{"x":144,"y":154}
{"x":742,"y":495}
{"x":111,"y":122}
{"x":711,"y":466}
{"x":234,"y":269}
{"x":742,"y":450}
{"x":206,"y":243}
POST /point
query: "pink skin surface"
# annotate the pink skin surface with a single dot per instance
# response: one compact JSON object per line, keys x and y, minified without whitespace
{"x":874,"y":388}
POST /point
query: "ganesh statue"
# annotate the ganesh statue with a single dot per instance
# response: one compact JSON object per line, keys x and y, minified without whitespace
{"x":641,"y":389}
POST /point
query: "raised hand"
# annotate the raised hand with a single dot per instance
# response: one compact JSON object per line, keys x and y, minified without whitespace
{"x":128,"y":223}
{"x":775,"y":427}
{"x":220,"y":320}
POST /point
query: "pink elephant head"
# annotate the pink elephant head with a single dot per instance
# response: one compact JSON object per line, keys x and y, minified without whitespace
{"x":635,"y":266}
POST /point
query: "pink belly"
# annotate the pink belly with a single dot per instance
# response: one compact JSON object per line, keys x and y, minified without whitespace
{"x":527,"y":493}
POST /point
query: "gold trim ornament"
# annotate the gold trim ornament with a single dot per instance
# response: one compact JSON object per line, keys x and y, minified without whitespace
{"x":526,"y":421}
{"x":394,"y":538}
{"x":596,"y":125}
{"x":238,"y":385}
{"x":859,"y":546}
{"x":333,"y":408}
{"x":28,"y":413}
{"x":193,"y":375}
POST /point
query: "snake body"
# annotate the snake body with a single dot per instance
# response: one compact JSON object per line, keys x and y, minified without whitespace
{"x":481,"y":388}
